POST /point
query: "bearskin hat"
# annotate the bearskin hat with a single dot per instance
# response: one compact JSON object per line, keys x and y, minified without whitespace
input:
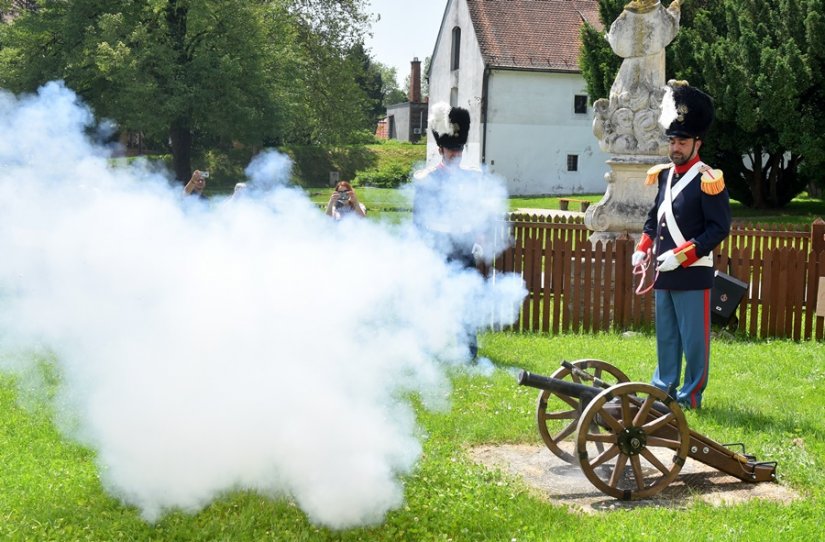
{"x":450,"y":125}
{"x":686,"y":110}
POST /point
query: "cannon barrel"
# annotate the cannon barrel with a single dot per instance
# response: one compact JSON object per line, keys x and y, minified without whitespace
{"x":580,"y":391}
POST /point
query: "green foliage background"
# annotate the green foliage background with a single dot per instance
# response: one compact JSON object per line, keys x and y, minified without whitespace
{"x":386,"y":164}
{"x":764,"y":64}
{"x":199,"y":74}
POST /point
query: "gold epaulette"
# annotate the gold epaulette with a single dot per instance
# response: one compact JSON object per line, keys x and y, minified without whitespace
{"x":713,"y":181}
{"x":653,"y":173}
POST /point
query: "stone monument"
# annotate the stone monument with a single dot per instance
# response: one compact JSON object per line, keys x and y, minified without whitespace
{"x":627,"y":124}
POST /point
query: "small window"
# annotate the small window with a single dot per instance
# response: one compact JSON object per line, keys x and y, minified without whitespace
{"x":572,"y":162}
{"x":455,"y":53}
{"x":580,"y":103}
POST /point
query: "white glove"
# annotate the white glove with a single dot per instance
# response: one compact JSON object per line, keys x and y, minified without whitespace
{"x":638,"y":257}
{"x":667,"y":261}
{"x":478,"y":252}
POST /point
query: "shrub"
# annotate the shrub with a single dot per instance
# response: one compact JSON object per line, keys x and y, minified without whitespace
{"x":389,"y":175}
{"x":364,"y":137}
{"x":394,"y":165}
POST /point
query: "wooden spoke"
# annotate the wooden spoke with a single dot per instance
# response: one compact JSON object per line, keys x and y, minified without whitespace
{"x":566,"y":432}
{"x":614,"y":424}
{"x":627,"y":415}
{"x":663,"y":443}
{"x":618,"y":471}
{"x":658,"y":423}
{"x":596,"y":430}
{"x":566,"y":415}
{"x":641,"y":415}
{"x":653,"y":460}
{"x":609,"y":438}
{"x":572,"y":401}
{"x":637,"y":471}
{"x":607,"y":455}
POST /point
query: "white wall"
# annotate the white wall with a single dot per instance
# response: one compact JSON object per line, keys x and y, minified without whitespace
{"x":532,"y":127}
{"x":467,"y":78}
{"x":531,"y":124}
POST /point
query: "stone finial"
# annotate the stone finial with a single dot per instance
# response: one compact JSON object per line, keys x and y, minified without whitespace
{"x":626,"y":123}
{"x":641,"y":6}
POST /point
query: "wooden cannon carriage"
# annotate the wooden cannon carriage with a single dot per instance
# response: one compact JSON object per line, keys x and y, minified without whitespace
{"x":630,"y":439}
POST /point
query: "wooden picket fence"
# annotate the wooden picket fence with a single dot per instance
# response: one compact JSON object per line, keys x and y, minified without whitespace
{"x":575,"y":285}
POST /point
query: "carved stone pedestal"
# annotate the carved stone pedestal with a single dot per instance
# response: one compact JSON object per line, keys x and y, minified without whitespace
{"x":627,"y":200}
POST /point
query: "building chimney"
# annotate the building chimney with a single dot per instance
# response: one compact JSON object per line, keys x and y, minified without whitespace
{"x":415,"y":81}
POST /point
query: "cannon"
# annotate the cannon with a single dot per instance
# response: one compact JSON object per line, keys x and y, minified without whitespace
{"x":630,"y":439}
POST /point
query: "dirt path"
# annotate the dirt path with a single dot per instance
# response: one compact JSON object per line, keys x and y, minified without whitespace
{"x":565,"y":484}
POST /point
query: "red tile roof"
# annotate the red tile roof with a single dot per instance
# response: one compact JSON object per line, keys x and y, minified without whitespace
{"x":532,"y":34}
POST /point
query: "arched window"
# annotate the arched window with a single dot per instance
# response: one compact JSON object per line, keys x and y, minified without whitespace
{"x":455,"y":53}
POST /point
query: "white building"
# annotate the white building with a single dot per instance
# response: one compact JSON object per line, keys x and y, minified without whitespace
{"x":514,"y":65}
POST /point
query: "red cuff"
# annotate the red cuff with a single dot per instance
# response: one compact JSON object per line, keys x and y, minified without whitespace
{"x":686,"y":253}
{"x":645,"y":243}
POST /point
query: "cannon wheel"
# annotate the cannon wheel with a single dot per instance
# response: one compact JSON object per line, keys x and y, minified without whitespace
{"x":557,"y":414}
{"x":639,"y":441}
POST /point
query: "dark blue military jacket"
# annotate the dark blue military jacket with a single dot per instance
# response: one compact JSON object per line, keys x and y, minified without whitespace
{"x":703,"y":219}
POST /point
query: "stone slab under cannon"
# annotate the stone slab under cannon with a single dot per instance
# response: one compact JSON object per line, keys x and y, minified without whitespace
{"x":630,"y":439}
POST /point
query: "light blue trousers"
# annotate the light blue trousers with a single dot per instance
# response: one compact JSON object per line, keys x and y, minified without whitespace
{"x":683,"y":327}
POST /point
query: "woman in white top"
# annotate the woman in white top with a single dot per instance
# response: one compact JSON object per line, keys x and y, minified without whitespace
{"x":343,"y":202}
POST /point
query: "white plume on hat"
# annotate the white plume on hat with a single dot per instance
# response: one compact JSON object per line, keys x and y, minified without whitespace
{"x":669,"y":112}
{"x":439,"y":120}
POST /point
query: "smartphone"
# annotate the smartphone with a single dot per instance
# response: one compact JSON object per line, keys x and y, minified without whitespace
{"x":204,"y":174}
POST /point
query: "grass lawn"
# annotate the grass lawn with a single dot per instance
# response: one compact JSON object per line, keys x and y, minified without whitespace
{"x":802,"y":210}
{"x":765,"y":394}
{"x":381,"y":199}
{"x":549,"y":202}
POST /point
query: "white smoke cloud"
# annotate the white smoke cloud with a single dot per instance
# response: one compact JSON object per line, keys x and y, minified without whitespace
{"x":468,"y":204}
{"x":205,"y":347}
{"x":268,"y":170}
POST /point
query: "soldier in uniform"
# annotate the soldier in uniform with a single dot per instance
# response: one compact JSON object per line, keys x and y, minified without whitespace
{"x":446,"y":194}
{"x":690,"y":217}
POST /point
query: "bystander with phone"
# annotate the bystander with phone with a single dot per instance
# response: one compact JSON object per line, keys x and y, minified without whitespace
{"x":344,"y":201}
{"x":196,"y":184}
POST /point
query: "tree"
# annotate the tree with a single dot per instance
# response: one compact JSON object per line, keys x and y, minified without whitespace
{"x":369,"y":77}
{"x":187,"y":70}
{"x":330,"y":102}
{"x":598,"y":62}
{"x":765,"y":69}
{"x":10,"y":9}
{"x":425,"y":78}
{"x":389,"y":85}
{"x":762,"y":61}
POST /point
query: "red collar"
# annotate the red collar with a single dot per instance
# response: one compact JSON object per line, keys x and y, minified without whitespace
{"x":681,"y":170}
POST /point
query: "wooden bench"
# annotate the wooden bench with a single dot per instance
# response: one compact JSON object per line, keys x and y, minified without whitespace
{"x":564,"y":203}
